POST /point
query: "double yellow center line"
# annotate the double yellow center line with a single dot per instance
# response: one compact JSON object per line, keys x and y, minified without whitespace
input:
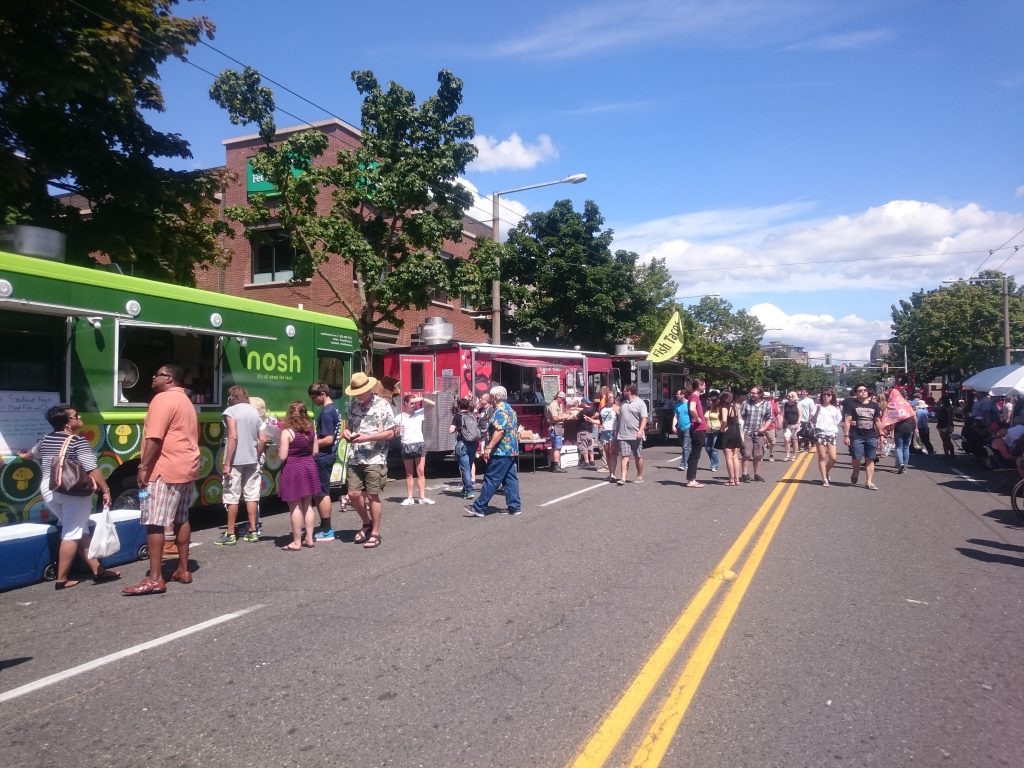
{"x":665,"y":723}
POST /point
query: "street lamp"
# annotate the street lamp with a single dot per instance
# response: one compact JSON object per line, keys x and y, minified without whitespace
{"x":576,"y":178}
{"x":1006,"y":308}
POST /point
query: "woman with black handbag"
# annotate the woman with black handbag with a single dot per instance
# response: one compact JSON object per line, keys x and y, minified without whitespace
{"x":69,"y":493}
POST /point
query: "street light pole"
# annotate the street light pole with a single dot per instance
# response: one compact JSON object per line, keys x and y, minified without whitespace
{"x":1006,"y":321}
{"x":576,"y":178}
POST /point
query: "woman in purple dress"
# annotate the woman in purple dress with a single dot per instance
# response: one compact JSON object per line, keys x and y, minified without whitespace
{"x":299,"y":480}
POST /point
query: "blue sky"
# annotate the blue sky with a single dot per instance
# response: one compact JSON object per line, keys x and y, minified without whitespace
{"x":811,"y":161}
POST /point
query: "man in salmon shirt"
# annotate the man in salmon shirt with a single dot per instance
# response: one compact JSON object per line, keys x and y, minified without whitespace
{"x":168,"y":469}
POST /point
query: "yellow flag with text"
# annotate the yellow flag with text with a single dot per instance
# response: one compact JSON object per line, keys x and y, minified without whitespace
{"x":670,"y":341}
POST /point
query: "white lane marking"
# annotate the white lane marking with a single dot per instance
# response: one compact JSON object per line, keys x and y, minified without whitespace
{"x":118,"y":655}
{"x":968,"y":478}
{"x":600,"y":484}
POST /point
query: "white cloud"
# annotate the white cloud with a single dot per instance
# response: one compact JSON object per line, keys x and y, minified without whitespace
{"x":509,"y":213}
{"x":845,"y":41}
{"x":900,"y":243}
{"x":843,"y":263}
{"x":823,"y":334}
{"x":1019,"y":192}
{"x":595,"y":27}
{"x":512,"y":153}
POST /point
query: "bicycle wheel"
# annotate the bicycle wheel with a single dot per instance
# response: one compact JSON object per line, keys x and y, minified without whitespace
{"x":1017,"y":498}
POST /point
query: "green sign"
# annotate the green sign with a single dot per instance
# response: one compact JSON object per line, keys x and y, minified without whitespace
{"x":258,"y":184}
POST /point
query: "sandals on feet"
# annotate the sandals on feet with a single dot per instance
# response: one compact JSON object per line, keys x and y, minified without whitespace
{"x":66,"y":584}
{"x":104,"y":575}
{"x":372,"y":541}
{"x":363,"y":532}
{"x":291,"y":548}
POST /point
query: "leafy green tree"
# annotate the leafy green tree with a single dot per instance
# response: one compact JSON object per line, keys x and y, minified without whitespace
{"x":563,"y":285}
{"x":395,"y":200}
{"x":75,"y":84}
{"x":717,"y":336}
{"x":956,"y":330}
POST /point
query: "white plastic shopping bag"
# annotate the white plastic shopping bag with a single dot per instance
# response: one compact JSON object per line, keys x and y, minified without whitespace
{"x":104,"y":539}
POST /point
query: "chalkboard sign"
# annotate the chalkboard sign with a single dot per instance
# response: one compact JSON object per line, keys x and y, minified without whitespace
{"x":550,"y":386}
{"x":23,"y":419}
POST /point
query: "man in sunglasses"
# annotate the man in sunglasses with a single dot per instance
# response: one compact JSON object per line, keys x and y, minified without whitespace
{"x":863,"y":426}
{"x":756,"y":415}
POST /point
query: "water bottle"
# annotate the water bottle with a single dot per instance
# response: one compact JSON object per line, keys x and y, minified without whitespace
{"x":143,"y":501}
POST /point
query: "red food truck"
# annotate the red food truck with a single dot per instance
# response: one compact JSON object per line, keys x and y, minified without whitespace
{"x":532,"y":376}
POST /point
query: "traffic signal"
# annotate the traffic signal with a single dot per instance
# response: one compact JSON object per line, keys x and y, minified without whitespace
{"x":885,"y":367}
{"x":828,"y":359}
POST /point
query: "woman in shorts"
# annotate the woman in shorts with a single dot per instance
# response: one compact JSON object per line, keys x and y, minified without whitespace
{"x":606,"y":433}
{"x":730,"y":436}
{"x":827,"y":420}
{"x":414,"y":452}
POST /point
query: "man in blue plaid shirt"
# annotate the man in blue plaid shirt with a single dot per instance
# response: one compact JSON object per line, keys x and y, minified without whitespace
{"x":756,"y":415}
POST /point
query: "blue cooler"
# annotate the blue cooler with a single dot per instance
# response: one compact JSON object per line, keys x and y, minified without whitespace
{"x":132,"y":535}
{"x":26,"y":552}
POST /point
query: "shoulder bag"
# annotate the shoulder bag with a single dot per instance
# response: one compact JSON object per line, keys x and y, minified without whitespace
{"x":67,"y":475}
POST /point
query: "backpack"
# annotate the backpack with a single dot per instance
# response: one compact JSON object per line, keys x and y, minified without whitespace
{"x":469,"y":430}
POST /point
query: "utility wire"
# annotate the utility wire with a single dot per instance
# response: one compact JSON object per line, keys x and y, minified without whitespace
{"x":596,"y":256}
{"x":977,"y":269}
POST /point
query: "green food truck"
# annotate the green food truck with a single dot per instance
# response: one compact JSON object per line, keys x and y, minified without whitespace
{"x":93,"y":338}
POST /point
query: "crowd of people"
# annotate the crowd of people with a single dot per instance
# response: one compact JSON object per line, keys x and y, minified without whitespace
{"x":738,"y":431}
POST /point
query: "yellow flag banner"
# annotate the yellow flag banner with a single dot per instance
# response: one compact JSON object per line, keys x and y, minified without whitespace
{"x":670,"y":341}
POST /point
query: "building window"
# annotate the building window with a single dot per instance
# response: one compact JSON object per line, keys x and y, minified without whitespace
{"x":273,"y":257}
{"x":467,"y":304}
{"x":439,"y":296}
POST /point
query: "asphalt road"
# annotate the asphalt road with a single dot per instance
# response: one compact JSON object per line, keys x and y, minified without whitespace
{"x":771,"y":624}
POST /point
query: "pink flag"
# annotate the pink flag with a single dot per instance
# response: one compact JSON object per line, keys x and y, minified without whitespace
{"x":898,"y":410}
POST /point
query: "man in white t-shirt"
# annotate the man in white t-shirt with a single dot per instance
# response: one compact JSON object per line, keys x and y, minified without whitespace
{"x":240,"y":467}
{"x":806,"y":405}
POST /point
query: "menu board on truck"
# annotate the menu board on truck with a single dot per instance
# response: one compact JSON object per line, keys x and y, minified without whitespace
{"x":23,"y":419}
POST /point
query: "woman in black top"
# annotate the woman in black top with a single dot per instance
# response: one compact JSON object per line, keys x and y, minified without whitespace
{"x":944,"y":423}
{"x":791,"y":425}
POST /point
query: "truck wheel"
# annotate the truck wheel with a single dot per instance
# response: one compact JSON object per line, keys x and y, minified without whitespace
{"x":143,"y":553}
{"x":50,"y":572}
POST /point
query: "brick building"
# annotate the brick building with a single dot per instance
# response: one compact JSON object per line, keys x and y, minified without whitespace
{"x":262,"y":270}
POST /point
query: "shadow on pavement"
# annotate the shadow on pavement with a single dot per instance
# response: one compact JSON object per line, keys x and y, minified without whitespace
{"x":990,"y":557}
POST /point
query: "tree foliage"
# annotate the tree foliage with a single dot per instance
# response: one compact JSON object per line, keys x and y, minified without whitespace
{"x":956,"y":330}
{"x":563,"y":286}
{"x":719,"y":337}
{"x":395,"y":200}
{"x":787,"y":375}
{"x":75,"y":85}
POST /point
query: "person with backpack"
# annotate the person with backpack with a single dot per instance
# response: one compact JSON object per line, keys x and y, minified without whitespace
{"x":466,"y":429}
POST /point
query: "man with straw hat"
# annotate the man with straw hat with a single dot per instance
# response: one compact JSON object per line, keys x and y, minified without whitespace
{"x":371,"y":426}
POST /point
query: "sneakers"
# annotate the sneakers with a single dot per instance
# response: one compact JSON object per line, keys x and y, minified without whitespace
{"x":514,"y":512}
{"x":469,"y":495}
{"x":471,"y":508}
{"x":226,"y":540}
{"x":872,"y":487}
{"x":681,"y":467}
{"x":612,"y":478}
{"x":638,"y":480}
{"x":758,"y":478}
{"x":901,"y":469}
{"x":745,"y":478}
{"x":714,"y":469}
{"x":251,"y":537}
{"x":424,"y":500}
{"x":408,"y":502}
{"x":327,"y":535}
{"x":854,"y":477}
{"x":620,"y":481}
{"x":559,"y":471}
